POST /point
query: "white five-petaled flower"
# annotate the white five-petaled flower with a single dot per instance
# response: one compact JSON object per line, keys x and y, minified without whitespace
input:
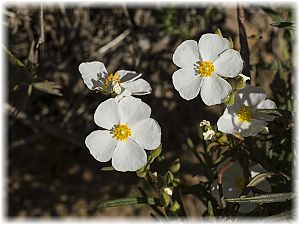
{"x":122,"y":83}
{"x":242,"y":118}
{"x":203,"y":65}
{"x":128,"y":130}
{"x":233,"y":183}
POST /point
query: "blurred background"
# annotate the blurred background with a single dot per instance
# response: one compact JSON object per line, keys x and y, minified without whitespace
{"x":50,"y":111}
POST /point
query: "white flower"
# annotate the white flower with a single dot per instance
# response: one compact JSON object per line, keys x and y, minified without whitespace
{"x":202,"y":65}
{"x":207,"y":135}
{"x":128,"y":130}
{"x":233,"y":183}
{"x":204,"y":123}
{"x":122,"y":83}
{"x":242,"y":117}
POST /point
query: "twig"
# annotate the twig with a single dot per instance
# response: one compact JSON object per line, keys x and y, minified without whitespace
{"x":244,"y":42}
{"x":113,"y":43}
{"x":42,"y":31}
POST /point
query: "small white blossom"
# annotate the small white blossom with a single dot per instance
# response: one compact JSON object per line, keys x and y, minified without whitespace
{"x":168,"y":191}
{"x":242,"y":117}
{"x":202,"y":66}
{"x":207,"y":135}
{"x":234,"y":183}
{"x":204,"y":123}
{"x":122,"y":83}
{"x":128,"y":130}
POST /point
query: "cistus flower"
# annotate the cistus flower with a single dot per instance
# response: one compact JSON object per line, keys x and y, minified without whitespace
{"x":203,"y":65}
{"x":120,"y":84}
{"x":242,"y":118}
{"x":128,"y":130}
{"x":233,"y":184}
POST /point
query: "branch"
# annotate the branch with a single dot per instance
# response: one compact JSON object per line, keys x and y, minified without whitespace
{"x":244,"y":42}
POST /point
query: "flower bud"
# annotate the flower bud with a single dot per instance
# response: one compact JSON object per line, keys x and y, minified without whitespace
{"x":174,"y":207}
{"x":165,"y":199}
{"x":175,"y":167}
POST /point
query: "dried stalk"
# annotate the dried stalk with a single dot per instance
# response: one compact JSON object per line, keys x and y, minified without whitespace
{"x":245,"y":53}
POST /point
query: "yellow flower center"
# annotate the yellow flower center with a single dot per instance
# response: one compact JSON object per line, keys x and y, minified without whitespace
{"x":239,"y":183}
{"x":111,"y":78}
{"x":245,"y":114}
{"x":206,"y":68}
{"x":121,"y":132}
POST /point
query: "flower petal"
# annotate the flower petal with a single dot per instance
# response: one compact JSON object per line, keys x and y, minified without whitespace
{"x":229,"y":63}
{"x":101,"y":145}
{"x":133,"y":110}
{"x":186,"y":54}
{"x":228,"y":123}
{"x":90,"y":72}
{"x":251,"y":96}
{"x":187,"y":83}
{"x":267,"y":104}
{"x":128,"y":156}
{"x":137,"y":87}
{"x":127,"y":75}
{"x":251,"y":129}
{"x":107,"y":114}
{"x":214,"y":90}
{"x":147,"y":133}
{"x":211,"y":45}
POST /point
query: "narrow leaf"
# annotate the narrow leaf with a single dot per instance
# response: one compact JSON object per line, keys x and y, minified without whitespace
{"x":128,"y":201}
{"x":48,"y":87}
{"x":283,"y":24}
{"x":259,"y":178}
{"x":230,"y":42}
{"x":218,"y":31}
{"x":12,"y":58}
{"x":107,"y":168}
{"x":278,"y":112}
{"x":265,"y":198}
{"x":210,"y":210}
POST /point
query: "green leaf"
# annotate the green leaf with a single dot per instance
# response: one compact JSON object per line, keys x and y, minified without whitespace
{"x":107,"y":168}
{"x":278,"y":112}
{"x":265,"y":198}
{"x":259,"y":178}
{"x":155,"y":153}
{"x":230,"y":99}
{"x":218,"y":31}
{"x":12,"y":58}
{"x":190,"y":142}
{"x":48,"y":87}
{"x":241,"y":81}
{"x":230,"y":42}
{"x":288,"y":215}
{"x":210,"y":210}
{"x":175,"y":166}
{"x":283,"y":24}
{"x":129,"y":201}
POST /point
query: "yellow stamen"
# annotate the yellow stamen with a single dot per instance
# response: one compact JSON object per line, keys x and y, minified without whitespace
{"x":112,"y":78}
{"x":206,"y":68}
{"x":245,"y":114}
{"x":121,"y":132}
{"x":239,"y":183}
